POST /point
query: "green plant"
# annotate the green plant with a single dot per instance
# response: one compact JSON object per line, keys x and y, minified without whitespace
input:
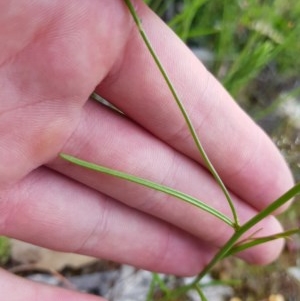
{"x":233,"y":245}
{"x":4,"y":249}
{"x":244,"y":37}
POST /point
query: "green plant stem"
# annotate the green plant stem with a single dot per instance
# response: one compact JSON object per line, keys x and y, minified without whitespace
{"x":200,"y":293}
{"x":165,"y":189}
{"x":184,"y":113}
{"x":226,"y":249}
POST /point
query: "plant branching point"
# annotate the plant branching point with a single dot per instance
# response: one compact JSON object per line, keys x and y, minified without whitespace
{"x":234,"y":244}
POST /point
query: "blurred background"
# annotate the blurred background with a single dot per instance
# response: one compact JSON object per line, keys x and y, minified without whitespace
{"x":253,"y":48}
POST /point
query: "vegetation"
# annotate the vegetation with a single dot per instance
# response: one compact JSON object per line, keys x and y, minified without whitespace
{"x":4,"y":250}
{"x":255,"y":49}
{"x":246,"y":38}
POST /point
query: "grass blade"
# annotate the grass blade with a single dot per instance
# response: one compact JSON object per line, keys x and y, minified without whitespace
{"x":165,"y":189}
{"x":295,"y":190}
{"x":261,"y":240}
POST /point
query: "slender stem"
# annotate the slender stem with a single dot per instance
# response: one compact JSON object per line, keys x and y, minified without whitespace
{"x":200,"y":293}
{"x":184,"y":113}
{"x":224,"y":251}
{"x":221,"y":254}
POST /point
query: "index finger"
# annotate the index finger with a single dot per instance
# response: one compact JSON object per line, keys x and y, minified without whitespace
{"x":246,"y":159}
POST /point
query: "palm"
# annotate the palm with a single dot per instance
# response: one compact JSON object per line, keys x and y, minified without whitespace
{"x":55,"y":56}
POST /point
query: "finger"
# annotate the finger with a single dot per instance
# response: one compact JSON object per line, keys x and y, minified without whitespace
{"x":106,"y":138}
{"x":49,"y":66}
{"x":18,"y":289}
{"x":244,"y":156}
{"x":54,"y":212}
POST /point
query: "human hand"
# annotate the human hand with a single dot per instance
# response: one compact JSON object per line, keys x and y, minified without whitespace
{"x":56,"y":54}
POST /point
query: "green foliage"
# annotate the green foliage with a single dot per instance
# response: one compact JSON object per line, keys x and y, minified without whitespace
{"x":244,"y":36}
{"x":232,"y":246}
{"x":262,"y":45}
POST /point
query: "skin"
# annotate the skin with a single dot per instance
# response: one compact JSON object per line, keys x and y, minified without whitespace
{"x":55,"y":54}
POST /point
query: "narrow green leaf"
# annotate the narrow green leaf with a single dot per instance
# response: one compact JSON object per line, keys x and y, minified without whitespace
{"x":295,"y":190}
{"x":261,"y":240}
{"x":170,"y":191}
